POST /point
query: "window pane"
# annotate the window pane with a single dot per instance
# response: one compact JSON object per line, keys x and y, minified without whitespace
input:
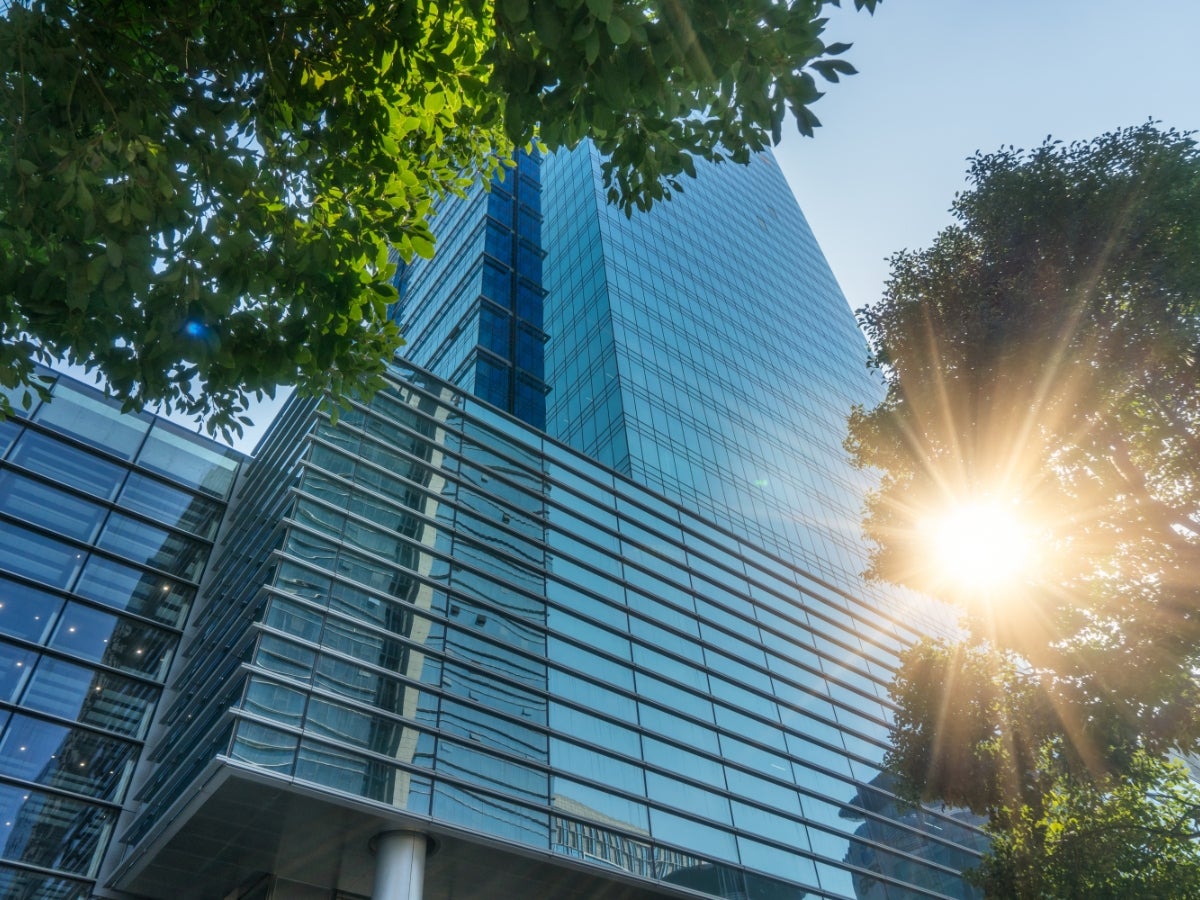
{"x":91,"y":420}
{"x":145,"y":543}
{"x":113,"y":640}
{"x":170,"y":505}
{"x":94,"y":698}
{"x":26,"y":612}
{"x":184,"y":460}
{"x":53,"y":509}
{"x":265,"y":747}
{"x":9,"y":429}
{"x":67,"y":465}
{"x":144,"y":593}
{"x":36,"y":556}
{"x":51,"y":831}
{"x":69,"y":758}
{"x":15,"y":666}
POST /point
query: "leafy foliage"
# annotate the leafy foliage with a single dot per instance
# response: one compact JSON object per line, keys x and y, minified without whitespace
{"x":1119,"y":839}
{"x":1044,"y":350}
{"x":198,"y":199}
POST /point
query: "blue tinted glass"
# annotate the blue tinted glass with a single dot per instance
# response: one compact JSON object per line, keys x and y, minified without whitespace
{"x":695,"y":836}
{"x":25,"y":815}
{"x":86,"y":417}
{"x":189,"y":460}
{"x":144,"y":543}
{"x":115,"y":641}
{"x":122,"y":586}
{"x":38,"y":556}
{"x":170,"y":505}
{"x":26,"y":612}
{"x":94,"y":698}
{"x":53,"y":509}
{"x":9,"y":429}
{"x":265,"y":747}
{"x":16,"y":665}
{"x":71,"y":759}
{"x":480,"y":811}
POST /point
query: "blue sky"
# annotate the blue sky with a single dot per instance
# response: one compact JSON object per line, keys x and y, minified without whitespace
{"x":940,"y":79}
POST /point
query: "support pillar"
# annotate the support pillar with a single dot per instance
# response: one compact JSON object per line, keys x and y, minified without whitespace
{"x":399,"y":865}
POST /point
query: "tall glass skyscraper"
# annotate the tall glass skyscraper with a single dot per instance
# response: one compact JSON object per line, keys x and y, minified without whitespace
{"x":443,"y":651}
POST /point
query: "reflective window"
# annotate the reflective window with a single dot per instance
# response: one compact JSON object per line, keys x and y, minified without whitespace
{"x":274,"y":701}
{"x":9,"y":429}
{"x":53,"y":509}
{"x":591,"y":664}
{"x":582,"y":800}
{"x":69,"y":832}
{"x":170,"y":505}
{"x":278,"y":655}
{"x":24,"y":883}
{"x":480,"y":811}
{"x":72,"y":759}
{"x":115,"y":641}
{"x":264,"y":747}
{"x":695,"y":836}
{"x":26,"y":612}
{"x":479,"y":725}
{"x":294,"y":619}
{"x":569,"y":721}
{"x":477,"y":766}
{"x":590,"y":695}
{"x":94,"y":698}
{"x":38,"y":556}
{"x":593,"y":765}
{"x":347,"y":771}
{"x":683,"y":795}
{"x":187,"y":461}
{"x":122,"y":586}
{"x":16,"y":665}
{"x":784,"y":863}
{"x":153,"y":546}
{"x":92,"y":421}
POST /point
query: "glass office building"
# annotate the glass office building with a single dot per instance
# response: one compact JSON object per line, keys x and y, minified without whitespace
{"x":577,"y":596}
{"x":106,"y":522}
{"x":449,"y":622}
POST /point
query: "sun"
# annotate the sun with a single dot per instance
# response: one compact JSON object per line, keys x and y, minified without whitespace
{"x":980,"y":546}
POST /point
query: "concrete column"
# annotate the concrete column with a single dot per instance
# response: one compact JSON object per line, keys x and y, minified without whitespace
{"x":399,"y":866}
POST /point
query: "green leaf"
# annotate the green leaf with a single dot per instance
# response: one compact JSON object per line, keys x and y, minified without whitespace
{"x":618,"y":30}
{"x":601,"y":9}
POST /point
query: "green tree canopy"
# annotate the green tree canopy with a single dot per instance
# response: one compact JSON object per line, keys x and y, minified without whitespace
{"x":198,"y":199}
{"x":1042,"y":357}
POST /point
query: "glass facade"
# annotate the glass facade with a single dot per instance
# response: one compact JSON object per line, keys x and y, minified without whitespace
{"x":582,"y":585}
{"x":106,"y":521}
{"x":489,"y":633}
{"x":473,"y":314}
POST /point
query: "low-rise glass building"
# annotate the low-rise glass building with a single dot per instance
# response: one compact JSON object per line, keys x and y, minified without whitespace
{"x":106,"y":523}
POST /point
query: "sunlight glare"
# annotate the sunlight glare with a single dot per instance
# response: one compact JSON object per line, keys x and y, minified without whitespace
{"x":981,"y":546}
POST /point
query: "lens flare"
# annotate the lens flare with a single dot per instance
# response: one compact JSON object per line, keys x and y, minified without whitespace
{"x":981,"y":546}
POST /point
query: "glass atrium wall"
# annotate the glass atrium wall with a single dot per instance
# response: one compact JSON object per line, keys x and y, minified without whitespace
{"x":106,"y":522}
{"x":467,"y":623}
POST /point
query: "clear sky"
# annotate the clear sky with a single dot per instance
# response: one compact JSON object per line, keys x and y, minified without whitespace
{"x":940,"y":79}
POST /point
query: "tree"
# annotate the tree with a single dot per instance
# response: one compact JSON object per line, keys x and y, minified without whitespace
{"x":199,"y":200}
{"x":1132,"y":837}
{"x":1042,"y":361}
